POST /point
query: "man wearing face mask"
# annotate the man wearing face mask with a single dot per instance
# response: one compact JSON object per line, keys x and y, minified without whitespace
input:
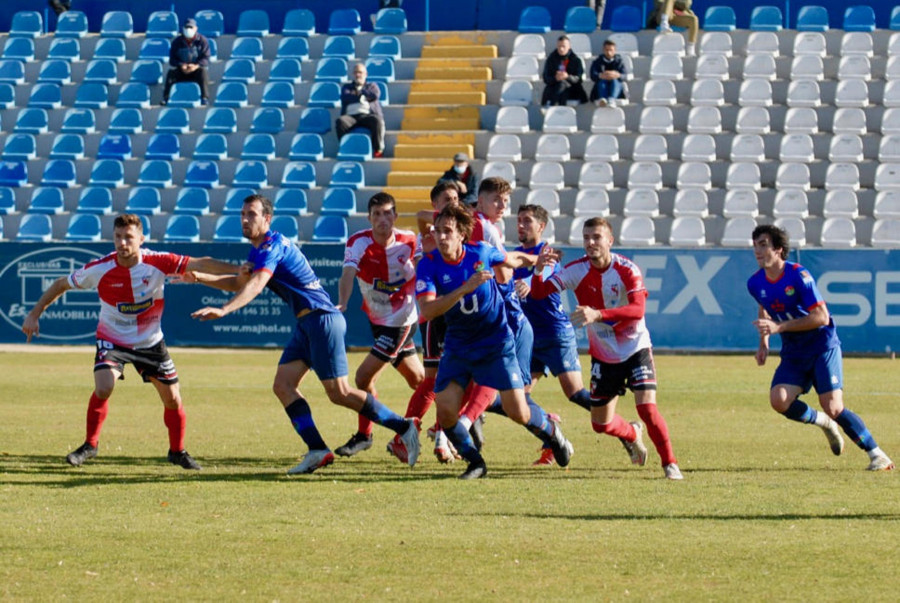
{"x":360,"y":107}
{"x":189,"y":58}
{"x":465,"y":177}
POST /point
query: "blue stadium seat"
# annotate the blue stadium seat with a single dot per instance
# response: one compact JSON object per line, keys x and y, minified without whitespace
{"x":146,"y":72}
{"x":307,"y":147}
{"x":182,"y":229}
{"x":156,"y":172}
{"x":286,"y":70}
{"x":83,"y":228}
{"x":134,"y":94}
{"x":211,"y":147}
{"x":234,"y":200}
{"x":247,"y":48}
{"x":342,"y":47}
{"x":7,"y":96}
{"x":35,"y":227}
{"x":112,"y":49}
{"x":32,"y":121}
{"x":251,"y":174}
{"x":173,"y":119}
{"x":239,"y":70}
{"x":64,"y":49}
{"x":7,"y":201}
{"x":117,"y":24}
{"x":391,"y":21}
{"x":221,"y":120}
{"x":331,"y":69}
{"x":625,"y":19}
{"x":210,"y":23}
{"x":19,"y":147}
{"x":267,"y":120}
{"x":253,"y":22}
{"x":355,"y":147}
{"x":145,"y":225}
{"x":143,"y":200}
{"x":348,"y":173}
{"x":228,"y":229}
{"x":232,"y":94}
{"x":114,"y":146}
{"x":258,"y":146}
{"x":12,"y":71}
{"x":71,"y":24}
{"x":79,"y":121}
{"x":287,"y":226}
{"x":299,"y":22}
{"x":278,"y":94}
{"x":184,"y":94}
{"x":13,"y":173}
{"x":330,"y":229}
{"x":59,"y":173}
{"x":385,"y":46}
{"x":20,"y":49}
{"x":95,"y":200}
{"x":213,"y":50}
{"x":101,"y":70}
{"x":894,"y":25}
{"x":380,"y":69}
{"x":766,"y":18}
{"x":326,"y":95}
{"x":293,"y":48}
{"x":534,"y":19}
{"x":162,"y":24}
{"x":67,"y":146}
{"x":299,"y":174}
{"x":288,"y":201}
{"x":859,"y":18}
{"x":55,"y":71}
{"x":156,"y":49}
{"x":812,"y":18}
{"x":47,"y":200}
{"x":719,"y":18}
{"x":45,"y":96}
{"x":315,"y":120}
{"x":580,"y":19}
{"x":164,"y":145}
{"x":193,"y":201}
{"x":126,"y":120}
{"x":27,"y":24}
{"x":107,"y":172}
{"x":339,"y":201}
{"x":344,"y":22}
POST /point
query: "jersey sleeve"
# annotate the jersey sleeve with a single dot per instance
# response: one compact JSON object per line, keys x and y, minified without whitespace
{"x":85,"y":277}
{"x":496,"y":256}
{"x":267,"y":257}
{"x":167,"y":263}
{"x":353,"y":252}
{"x":425,"y":277}
{"x":810,"y":297}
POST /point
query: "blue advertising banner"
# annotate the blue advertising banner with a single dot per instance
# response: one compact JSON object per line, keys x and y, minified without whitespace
{"x":698,"y":298}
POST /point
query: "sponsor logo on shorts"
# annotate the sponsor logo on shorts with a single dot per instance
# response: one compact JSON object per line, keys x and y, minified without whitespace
{"x":134,"y":307}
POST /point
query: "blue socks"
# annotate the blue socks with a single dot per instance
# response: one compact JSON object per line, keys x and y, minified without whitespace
{"x":380,"y":414}
{"x":496,"y":407}
{"x":582,"y":398}
{"x":539,"y":424}
{"x":856,"y":430}
{"x":460,"y":438}
{"x":301,"y":419}
{"x":801,"y":412}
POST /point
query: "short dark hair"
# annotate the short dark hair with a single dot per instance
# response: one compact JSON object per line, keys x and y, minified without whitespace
{"x":465,"y":223}
{"x":537,"y":211}
{"x":126,"y":220}
{"x":382,"y":199}
{"x":494,"y":185}
{"x":779,"y":237}
{"x":442,"y":186}
{"x":562,"y":37}
{"x":266,"y":203}
{"x":609,"y":42}
{"x":598,"y":221}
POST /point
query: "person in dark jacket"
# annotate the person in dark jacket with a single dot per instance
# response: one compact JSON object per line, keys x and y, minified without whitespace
{"x":189,"y":57}
{"x":563,"y":72}
{"x":608,"y":70}
{"x":360,"y":107}
{"x":465,"y":177}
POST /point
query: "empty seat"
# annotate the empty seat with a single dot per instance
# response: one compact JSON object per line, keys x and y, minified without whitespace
{"x":164,"y":145}
{"x":286,"y":226}
{"x":95,"y":200}
{"x":291,"y":201}
{"x":232,"y":94}
{"x":889,"y":149}
{"x":704,"y":120}
{"x":155,"y":172}
{"x":247,"y":48}
{"x":35,"y":227}
{"x":267,"y":120}
{"x":71,"y":24}
{"x":534,"y":19}
{"x":12,"y":71}
{"x":20,"y":49}
{"x":668,"y":43}
{"x":13,"y":173}
{"x":796,"y":148}
{"x":743,"y":175}
{"x":56,"y":71}
{"x":390,"y":21}
{"x":595,"y":174}
{"x":803,"y":93}
{"x":849,"y":120}
{"x":253,"y":22}
{"x":59,"y":173}
{"x":738,"y":232}
{"x":278,"y":94}
{"x":112,"y":49}
{"x":21,"y":147}
{"x":202,"y":173}
{"x":707,"y":93}
{"x":887,"y":177}
{"x":162,"y":24}
{"x":626,"y":43}
{"x":325,"y":95}
{"x":192,"y":201}
{"x":842,"y":202}
{"x":114,"y":146}
{"x":258,"y":146}
{"x":293,"y":48}
{"x":650,"y":147}
{"x":885,"y":233}
{"x":546,"y":174}
{"x":812,"y":18}
{"x":299,"y":22}
{"x":762,"y":42}
{"x":812,"y":43}
{"x":719,"y":18}
{"x":7,"y":96}
{"x":340,"y":46}
{"x":859,"y":18}
{"x":146,"y":72}
{"x":857,"y":43}
{"x":355,"y":147}
{"x":109,"y":173}
{"x":842,"y":175}
{"x":691,"y":202}
{"x":759,"y":66}
{"x":504,"y":147}
{"x":299,"y":174}
{"x":740,"y":202}
{"x":79,"y":121}
{"x":512,"y":120}
{"x":747,"y":147}
{"x":380,"y":69}
{"x":694,"y":174}
{"x":852,"y":93}
{"x":529,"y":44}
{"x":838,"y":232}
{"x":752,"y":120}
{"x":314,"y":120}
{"x":251,"y":174}
{"x":500,"y":169}
{"x":659,"y":93}
{"x":83,"y":228}
{"x":47,"y":200}
{"x":591,"y":202}
{"x":890,"y":121}
{"x":715,"y":42}
{"x":712,"y":66}
{"x":792,"y":175}
{"x":173,"y":119}
{"x":344,"y":22}
{"x":755,"y":93}
{"x":331,"y":69}
{"x":26,"y":23}
{"x":601,"y":147}
{"x":182,"y":228}
{"x":791,"y":203}
{"x":306,"y":147}
{"x":656,"y":120}
{"x":645,"y":174}
{"x":891,"y":96}
{"x":642,"y":202}
{"x":801,"y":120}
{"x":101,"y":70}
{"x":522,"y":67}
{"x":546,"y":198}
{"x":340,"y":201}
{"x":698,"y":147}
{"x":32,"y":121}
{"x":766,"y":18}
{"x":117,"y":24}
{"x":855,"y":66}
{"x":516,"y":93}
{"x":553,"y":147}
{"x":887,"y":204}
{"x":637,"y":231}
{"x":330,"y":229}
{"x":666,"y":67}
{"x":133,"y":94}
{"x":237,"y":70}
{"x":156,"y":49}
{"x":143,"y":200}
{"x":807,"y":67}
{"x":687,"y":231}
{"x":796,"y":229}
{"x":607,"y":120}
{"x":286,"y":71}
{"x":846,"y":147}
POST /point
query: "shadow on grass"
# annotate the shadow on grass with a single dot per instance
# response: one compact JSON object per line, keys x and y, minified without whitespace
{"x":629,"y":516}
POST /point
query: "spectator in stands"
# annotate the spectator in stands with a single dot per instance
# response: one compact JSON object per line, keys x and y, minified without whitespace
{"x":608,"y":70}
{"x":189,"y":57}
{"x":465,"y":178}
{"x":360,"y":107}
{"x":563,"y":72}
{"x":60,"y":6}
{"x":678,"y":13}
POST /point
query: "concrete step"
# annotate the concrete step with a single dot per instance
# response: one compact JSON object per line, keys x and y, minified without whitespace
{"x":442,"y":98}
{"x":413,"y":178}
{"x":435,"y":151}
{"x":453,"y":73}
{"x":421,"y":165}
{"x":466,"y":51}
{"x":427,"y":137}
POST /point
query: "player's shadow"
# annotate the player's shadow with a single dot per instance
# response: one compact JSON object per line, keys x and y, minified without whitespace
{"x":630,"y":516}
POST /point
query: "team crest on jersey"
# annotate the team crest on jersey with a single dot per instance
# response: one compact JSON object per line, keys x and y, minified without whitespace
{"x":479,"y":266}
{"x":134,"y":307}
{"x":614,"y":289}
{"x":789,"y":290}
{"x":420,"y":285}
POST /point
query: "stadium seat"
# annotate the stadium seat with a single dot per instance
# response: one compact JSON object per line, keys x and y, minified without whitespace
{"x":719,"y":18}
{"x":666,"y":67}
{"x":13,"y":173}
{"x":258,"y":146}
{"x":842,"y":202}
{"x":810,"y":43}
{"x":591,"y":202}
{"x":553,"y":147}
{"x":791,"y":203}
{"x":691,"y":202}
{"x":738,"y":232}
{"x":716,"y":43}
{"x":291,"y":201}
{"x":504,"y":147}
{"x":534,"y":19}
{"x":887,"y":177}
{"x":267,"y":120}
{"x":35,"y":227}
{"x":847,"y":147}
{"x":380,"y":69}
{"x":385,"y":46}
{"x":349,"y":174}
{"x":857,"y":43}
{"x":390,"y":21}
{"x":162,"y":24}
{"x":796,"y":148}
{"x":659,"y":93}
{"x":27,"y":24}
{"x":71,"y":24}
{"x":20,"y":147}
{"x":133,"y":94}
{"x":146,"y":72}
{"x":500,"y":169}
{"x":293,"y":48}
{"x":752,"y":120}
{"x":108,"y":173}
{"x":792,"y":175}
{"x":156,"y":49}
{"x":286,"y":70}
{"x":698,"y":147}
{"x":210,"y":23}
{"x":32,"y":121}
{"x":529,"y":44}
{"x":812,"y":18}
{"x":743,"y":175}
{"x":658,"y":120}
{"x":114,"y":146}
{"x":838,"y":232}
{"x":842,"y":176}
{"x":250,"y":174}
{"x":849,"y":120}
{"x":762,"y":42}
{"x":637,"y":231}
{"x":326,"y":95}
{"x":891,"y":95}
{"x":339,"y":201}
{"x":164,"y":145}
{"x":83,"y":228}
{"x":211,"y":147}
{"x":546,"y":174}
{"x":7,"y":96}
{"x":668,"y":43}
{"x":894,"y":24}
{"x":20,"y":49}
{"x":12,"y":71}
{"x":801,"y":120}
{"x":595,"y":174}
{"x":625,"y":18}
{"x":234,"y":200}
{"x":704,"y":120}
{"x":47,"y":200}
{"x":522,"y":67}
{"x":650,"y":147}
{"x":890,"y":121}
{"x":747,"y":147}
{"x":228,"y":229}
{"x":202,"y":173}
{"x":232,"y":94}
{"x":330,"y":229}
{"x":95,"y":200}
{"x":516,"y":93}
{"x":755,"y":92}
{"x":580,"y":19}
{"x":852,"y":93}
{"x":253,"y":22}
{"x":101,"y":70}
{"x":796,"y":229}
{"x":606,"y":120}
{"x":804,"y":93}
{"x":807,"y":67}
{"x":889,"y":149}
{"x":355,"y":147}
{"x":220,"y":120}
{"x":694,"y":174}
{"x":238,"y":70}
{"x":182,"y":229}
{"x":759,"y":66}
{"x":247,"y":48}
{"x":546,"y":198}
{"x":342,"y":47}
{"x":512,"y":120}
{"x":156,"y":173}
{"x":560,"y":119}
{"x":712,"y":66}
{"x":859,"y":18}
{"x":111,"y":49}
{"x":601,"y":147}
{"x":7,"y":201}
{"x":78,"y":121}
{"x":344,"y":22}
{"x":687,"y":231}
{"x":59,"y":173}
{"x":740,"y":202}
{"x":887,"y":204}
{"x":641,"y":202}
{"x":885,"y":233}
{"x":117,"y":24}
{"x":707,"y":93}
{"x":56,"y":71}
{"x":192,"y":201}
{"x":299,"y":22}
{"x":278,"y":94}
{"x":306,"y":147}
{"x":176,"y":120}
{"x":766,"y":18}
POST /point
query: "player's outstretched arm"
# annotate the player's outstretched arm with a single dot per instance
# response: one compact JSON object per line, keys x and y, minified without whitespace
{"x":31,"y":325}
{"x":431,"y":306}
{"x":248,"y":292}
{"x":211,"y":266}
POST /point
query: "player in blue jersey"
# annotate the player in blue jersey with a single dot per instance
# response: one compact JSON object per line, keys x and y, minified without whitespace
{"x":790,"y":304}
{"x":318,"y":339}
{"x":555,"y":349}
{"x":457,"y":282}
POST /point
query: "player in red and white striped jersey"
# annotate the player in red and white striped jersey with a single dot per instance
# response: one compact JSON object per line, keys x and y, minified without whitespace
{"x":130,"y":284}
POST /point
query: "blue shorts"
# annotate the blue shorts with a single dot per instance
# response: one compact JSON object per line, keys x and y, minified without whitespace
{"x":825,"y":372}
{"x":497,"y":368}
{"x":318,"y":341}
{"x":524,"y":335}
{"x":556,"y":354}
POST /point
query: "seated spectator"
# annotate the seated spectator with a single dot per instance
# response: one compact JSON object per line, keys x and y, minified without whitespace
{"x":189,"y":57}
{"x":60,"y":6}
{"x":465,"y":178}
{"x":563,"y":72}
{"x":678,"y":13}
{"x":360,"y":107}
{"x":608,"y":70}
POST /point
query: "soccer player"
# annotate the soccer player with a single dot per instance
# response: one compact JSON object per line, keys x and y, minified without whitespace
{"x":555,"y":349}
{"x":382,"y":259}
{"x":318,"y":339}
{"x":611,"y":298}
{"x":130,"y":283}
{"x":790,"y":304}
{"x":457,"y":282}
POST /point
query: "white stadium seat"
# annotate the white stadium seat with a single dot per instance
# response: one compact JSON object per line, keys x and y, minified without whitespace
{"x":738,"y":232}
{"x":838,"y":232}
{"x":668,"y":43}
{"x":743,"y":175}
{"x":591,"y":202}
{"x":693,"y":174}
{"x":546,"y":198}
{"x":887,"y":205}
{"x":642,"y":202}
{"x":698,"y":147}
{"x":755,"y":92}
{"x":516,"y":93}
{"x":804,"y":93}
{"x":807,"y":67}
{"x":608,"y":120}
{"x":645,"y":174}
{"x":716,"y":42}
{"x":659,"y":93}
{"x":547,"y":174}
{"x":792,"y":175}
{"x":857,"y":43}
{"x":855,"y":66}
{"x":637,"y":231}
{"x":560,"y":120}
{"x":601,"y":147}
{"x":529,"y":44}
{"x":691,"y":202}
{"x":846,"y":147}
{"x":504,"y":147}
{"x":791,"y":203}
{"x":687,"y":231}
{"x":740,"y":202}
{"x":650,"y":147}
{"x":500,"y":169}
{"x":704,"y":120}
{"x":759,"y":66}
{"x":595,"y":174}
{"x":553,"y":147}
{"x":714,"y":66}
{"x":666,"y":67}
{"x":801,"y":120}
{"x":656,"y":120}
{"x":851,"y":93}
{"x":752,"y":120}
{"x":796,"y":229}
{"x":842,"y":176}
{"x":796,"y":148}
{"x":512,"y":120}
{"x":747,"y":147}
{"x":841,"y":202}
{"x":762,"y":42}
{"x":809,"y":42}
{"x":707,"y":93}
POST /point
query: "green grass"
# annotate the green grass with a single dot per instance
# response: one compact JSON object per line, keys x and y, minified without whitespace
{"x":764,"y":512}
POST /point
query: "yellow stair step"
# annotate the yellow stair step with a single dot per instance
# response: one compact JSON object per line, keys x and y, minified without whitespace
{"x":413,"y":178}
{"x":455,"y":138}
{"x":446,"y":86}
{"x":465,"y":51}
{"x":407,"y":222}
{"x":436,"y":151}
{"x":421,"y":165}
{"x":441,"y":98}
{"x":455,"y":39}
{"x":465,"y":73}
{"x":425,"y":123}
{"x":411,"y":206}
{"x":452,"y":63}
{"x":449,"y":112}
{"x":407,"y":194}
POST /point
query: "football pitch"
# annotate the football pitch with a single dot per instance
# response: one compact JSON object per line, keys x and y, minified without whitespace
{"x":765,"y":511}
